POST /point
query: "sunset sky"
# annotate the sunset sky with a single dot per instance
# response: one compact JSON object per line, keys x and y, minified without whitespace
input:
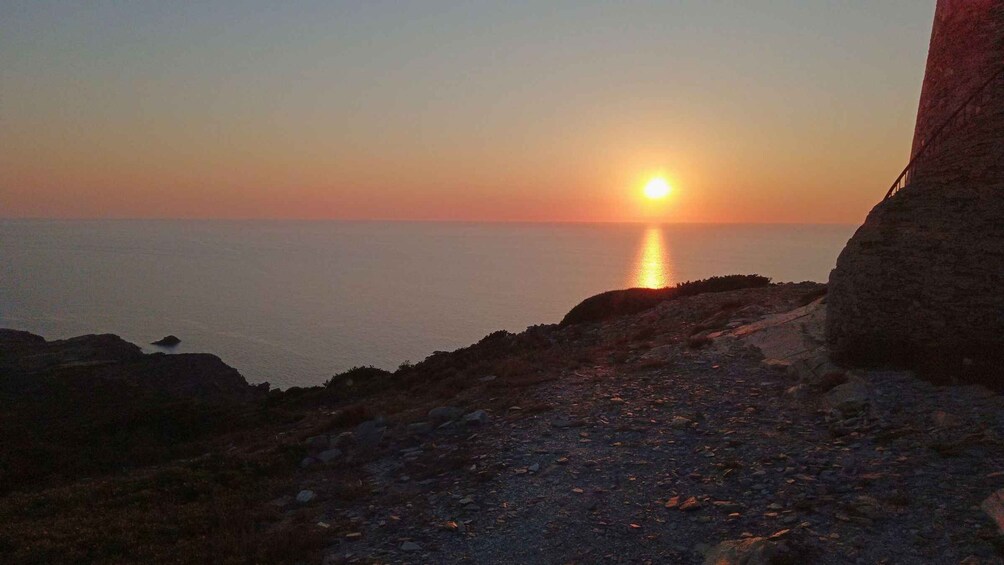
{"x":753,"y":110}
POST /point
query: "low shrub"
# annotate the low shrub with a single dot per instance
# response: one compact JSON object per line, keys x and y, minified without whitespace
{"x":633,"y":300}
{"x":810,"y":297}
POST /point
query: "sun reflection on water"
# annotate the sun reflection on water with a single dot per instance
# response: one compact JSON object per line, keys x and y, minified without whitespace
{"x":652,"y":269}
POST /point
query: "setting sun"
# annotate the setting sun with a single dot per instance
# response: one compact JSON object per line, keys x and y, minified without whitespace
{"x":657,"y":188}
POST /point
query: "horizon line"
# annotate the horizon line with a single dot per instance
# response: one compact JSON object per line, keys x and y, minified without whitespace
{"x":411,"y":221}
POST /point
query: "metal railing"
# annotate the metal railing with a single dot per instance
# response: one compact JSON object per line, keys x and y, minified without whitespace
{"x":969,"y":109}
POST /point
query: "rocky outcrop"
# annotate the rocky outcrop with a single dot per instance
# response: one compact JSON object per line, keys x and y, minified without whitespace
{"x":25,"y":357}
{"x":25,"y":353}
{"x":614,"y":303}
{"x":920,"y":283}
{"x":14,"y":338}
{"x":200,"y":376}
{"x":95,"y":404}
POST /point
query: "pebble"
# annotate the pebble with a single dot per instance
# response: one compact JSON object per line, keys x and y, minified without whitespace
{"x":410,"y":546}
{"x":690,"y":504}
{"x":478,"y":417}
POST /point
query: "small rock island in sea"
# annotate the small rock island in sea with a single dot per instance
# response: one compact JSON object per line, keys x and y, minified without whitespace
{"x":168,"y":341}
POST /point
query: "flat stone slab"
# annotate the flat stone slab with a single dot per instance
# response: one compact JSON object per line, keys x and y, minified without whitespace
{"x":788,"y":336}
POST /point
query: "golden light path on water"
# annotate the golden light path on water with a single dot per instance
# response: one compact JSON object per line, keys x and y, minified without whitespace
{"x":652,"y":268}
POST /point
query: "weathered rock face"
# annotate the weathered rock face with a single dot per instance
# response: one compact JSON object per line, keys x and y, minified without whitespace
{"x":921,"y":283}
{"x":25,"y":357}
{"x":22,"y":352}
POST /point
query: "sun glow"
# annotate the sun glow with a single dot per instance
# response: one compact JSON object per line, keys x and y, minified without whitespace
{"x":657,"y":189}
{"x":652,"y":268}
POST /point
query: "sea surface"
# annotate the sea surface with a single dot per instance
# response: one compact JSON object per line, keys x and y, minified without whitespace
{"x":294,"y":302}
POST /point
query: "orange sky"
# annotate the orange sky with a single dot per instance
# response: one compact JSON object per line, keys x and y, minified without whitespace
{"x":765,"y":112}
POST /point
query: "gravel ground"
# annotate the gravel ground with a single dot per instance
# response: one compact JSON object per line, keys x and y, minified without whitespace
{"x":660,"y":457}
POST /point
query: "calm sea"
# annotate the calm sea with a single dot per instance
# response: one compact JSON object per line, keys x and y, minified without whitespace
{"x":295,"y":302}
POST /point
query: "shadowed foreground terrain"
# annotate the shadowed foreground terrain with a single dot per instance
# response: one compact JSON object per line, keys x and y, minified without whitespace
{"x":701,"y":429}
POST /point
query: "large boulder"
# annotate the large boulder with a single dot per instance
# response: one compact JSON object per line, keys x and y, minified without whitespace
{"x":368,"y":434}
{"x":921,"y":284}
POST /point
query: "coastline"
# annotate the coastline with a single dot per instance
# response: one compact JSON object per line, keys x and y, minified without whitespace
{"x":660,"y":435}
{"x":294,"y":303}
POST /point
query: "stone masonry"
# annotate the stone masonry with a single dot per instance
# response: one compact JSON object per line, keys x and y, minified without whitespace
{"x":921,"y":283}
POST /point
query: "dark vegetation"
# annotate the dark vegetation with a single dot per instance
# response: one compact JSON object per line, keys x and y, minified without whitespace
{"x":109,"y":455}
{"x":208,"y":510}
{"x":72,"y":426}
{"x":814,"y":295}
{"x":73,"y":408}
{"x":105,"y":461}
{"x":634,"y":300}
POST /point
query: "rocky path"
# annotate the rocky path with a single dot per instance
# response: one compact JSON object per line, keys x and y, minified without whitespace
{"x":661,"y":459}
{"x":661,"y":465}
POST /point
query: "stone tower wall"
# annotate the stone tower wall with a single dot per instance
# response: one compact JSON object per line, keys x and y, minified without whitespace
{"x":921,"y":283}
{"x":967,"y":49}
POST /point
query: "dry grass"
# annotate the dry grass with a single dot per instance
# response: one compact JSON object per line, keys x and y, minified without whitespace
{"x":211,"y":511}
